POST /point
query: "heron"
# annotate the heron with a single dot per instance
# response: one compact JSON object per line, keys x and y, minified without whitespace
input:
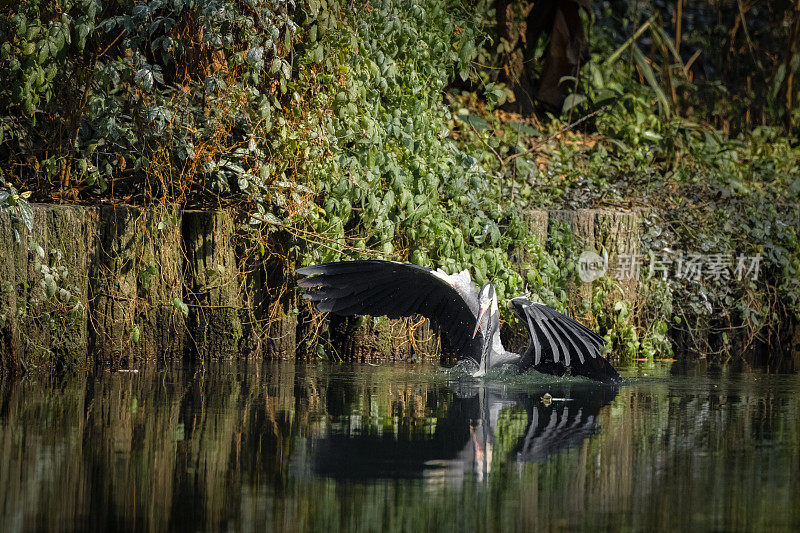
{"x":468,"y":317}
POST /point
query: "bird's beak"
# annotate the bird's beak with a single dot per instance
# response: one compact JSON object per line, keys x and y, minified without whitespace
{"x":480,"y":319}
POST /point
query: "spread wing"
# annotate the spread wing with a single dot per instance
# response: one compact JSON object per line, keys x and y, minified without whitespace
{"x":388,"y":288}
{"x":559,"y":342}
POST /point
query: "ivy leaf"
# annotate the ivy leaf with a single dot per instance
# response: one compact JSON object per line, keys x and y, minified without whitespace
{"x":146,"y":273}
{"x":141,"y":10}
{"x":161,"y":116}
{"x":467,"y":51}
{"x":178,"y":304}
{"x":214,"y":84}
{"x":287,"y":40}
{"x":48,"y":49}
{"x":494,"y":233}
{"x":254,"y":55}
{"x":25,"y":213}
{"x":50,"y":286}
{"x":148,"y":75}
{"x":82,"y":31}
{"x":272,"y":219}
{"x":276,"y":66}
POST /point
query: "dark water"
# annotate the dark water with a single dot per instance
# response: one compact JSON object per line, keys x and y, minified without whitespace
{"x":323,"y":447}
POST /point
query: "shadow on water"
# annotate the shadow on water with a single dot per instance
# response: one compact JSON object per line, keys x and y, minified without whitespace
{"x":360,"y":448}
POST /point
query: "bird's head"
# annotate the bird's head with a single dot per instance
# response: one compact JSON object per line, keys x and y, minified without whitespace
{"x":487,"y":300}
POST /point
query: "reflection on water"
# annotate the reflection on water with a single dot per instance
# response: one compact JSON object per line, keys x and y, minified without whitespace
{"x":483,"y":426}
{"x":288,"y":447}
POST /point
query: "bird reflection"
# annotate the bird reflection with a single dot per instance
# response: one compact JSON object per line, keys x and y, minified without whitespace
{"x":484,"y":428}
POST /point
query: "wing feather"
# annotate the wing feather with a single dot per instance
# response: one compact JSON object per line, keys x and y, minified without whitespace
{"x":574,"y":324}
{"x":543,"y":328}
{"x":559,"y":343}
{"x":570,"y":336}
{"x":388,"y":288}
{"x":535,"y":343}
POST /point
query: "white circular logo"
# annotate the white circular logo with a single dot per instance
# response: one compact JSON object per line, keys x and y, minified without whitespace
{"x":591,"y":266}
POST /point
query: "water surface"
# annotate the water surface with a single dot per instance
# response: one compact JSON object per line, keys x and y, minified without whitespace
{"x":287,"y":447}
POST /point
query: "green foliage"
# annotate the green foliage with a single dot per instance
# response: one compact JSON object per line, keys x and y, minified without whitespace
{"x":41,"y":40}
{"x":325,"y":120}
{"x":398,"y":182}
{"x":149,"y":270}
{"x":52,"y":305}
{"x":17,"y":205}
{"x":613,"y":314}
{"x":552,"y":275}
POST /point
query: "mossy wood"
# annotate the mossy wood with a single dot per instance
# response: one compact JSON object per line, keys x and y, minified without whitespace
{"x":158,"y":284}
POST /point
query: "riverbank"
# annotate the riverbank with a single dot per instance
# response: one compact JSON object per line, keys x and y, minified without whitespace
{"x":127,"y":287}
{"x":393,"y":132}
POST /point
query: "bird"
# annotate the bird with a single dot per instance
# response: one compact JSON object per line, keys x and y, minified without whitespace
{"x":468,"y":317}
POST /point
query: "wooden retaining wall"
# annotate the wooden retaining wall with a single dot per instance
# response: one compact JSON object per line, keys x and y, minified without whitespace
{"x":148,"y":285}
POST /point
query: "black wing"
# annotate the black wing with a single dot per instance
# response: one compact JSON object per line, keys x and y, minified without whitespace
{"x":559,"y":343}
{"x":388,"y":288}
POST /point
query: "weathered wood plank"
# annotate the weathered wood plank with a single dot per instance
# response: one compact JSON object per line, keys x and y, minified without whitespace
{"x":44,"y":287}
{"x":213,"y":283}
{"x":136,"y":275}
